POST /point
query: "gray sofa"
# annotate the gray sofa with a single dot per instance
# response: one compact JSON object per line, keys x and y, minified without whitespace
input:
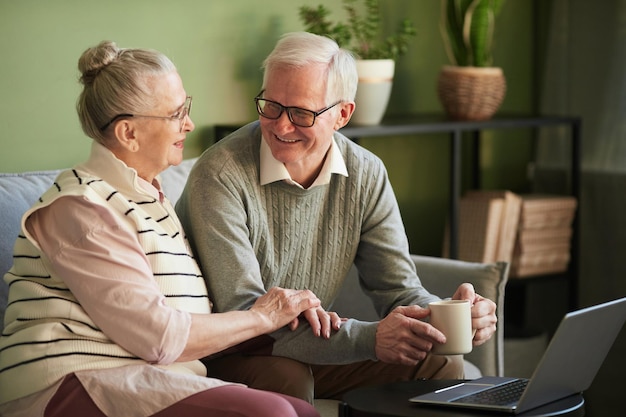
{"x":18,"y":191}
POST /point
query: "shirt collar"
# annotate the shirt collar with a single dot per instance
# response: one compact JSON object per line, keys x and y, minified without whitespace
{"x":104,"y":164}
{"x":273,"y":170}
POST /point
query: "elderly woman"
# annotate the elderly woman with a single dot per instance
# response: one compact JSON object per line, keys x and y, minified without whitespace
{"x":108,"y":311}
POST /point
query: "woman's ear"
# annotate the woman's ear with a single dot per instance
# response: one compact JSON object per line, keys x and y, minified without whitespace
{"x":346,"y":109}
{"x":126,"y":135}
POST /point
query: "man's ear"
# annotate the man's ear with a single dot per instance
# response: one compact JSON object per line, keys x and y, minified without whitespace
{"x":126,"y":135}
{"x":346,"y":110}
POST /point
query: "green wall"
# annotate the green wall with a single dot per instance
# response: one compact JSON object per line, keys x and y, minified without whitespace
{"x":218,"y":46}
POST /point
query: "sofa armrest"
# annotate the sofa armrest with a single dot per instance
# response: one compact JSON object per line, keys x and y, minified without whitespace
{"x":442,"y":277}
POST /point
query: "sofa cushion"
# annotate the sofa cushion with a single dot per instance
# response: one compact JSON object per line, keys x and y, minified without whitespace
{"x":17,"y":193}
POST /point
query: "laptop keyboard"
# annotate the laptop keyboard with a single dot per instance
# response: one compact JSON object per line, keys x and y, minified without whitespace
{"x":501,"y":395}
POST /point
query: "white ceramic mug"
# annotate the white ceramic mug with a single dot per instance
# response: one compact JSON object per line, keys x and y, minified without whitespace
{"x":453,"y":318}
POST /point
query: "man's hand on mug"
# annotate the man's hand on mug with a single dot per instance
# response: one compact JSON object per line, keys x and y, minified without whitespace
{"x":404,"y":338}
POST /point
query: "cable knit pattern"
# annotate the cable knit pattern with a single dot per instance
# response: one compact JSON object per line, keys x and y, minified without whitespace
{"x":53,"y":336}
{"x":249,"y":238}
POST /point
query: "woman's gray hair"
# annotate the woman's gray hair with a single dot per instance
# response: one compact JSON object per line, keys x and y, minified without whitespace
{"x":299,"y":49}
{"x":116,"y":81}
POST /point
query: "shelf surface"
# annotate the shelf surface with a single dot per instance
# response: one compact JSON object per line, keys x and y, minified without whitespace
{"x":438,"y":123}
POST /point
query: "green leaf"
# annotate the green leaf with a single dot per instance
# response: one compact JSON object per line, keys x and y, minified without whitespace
{"x":362,"y":32}
{"x":467,"y":28}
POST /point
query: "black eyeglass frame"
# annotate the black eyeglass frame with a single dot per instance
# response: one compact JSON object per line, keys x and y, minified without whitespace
{"x":289,"y":109}
{"x":186,"y":111}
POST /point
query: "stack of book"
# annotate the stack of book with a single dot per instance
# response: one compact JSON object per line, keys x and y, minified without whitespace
{"x":487,"y":226}
{"x":532,"y":232}
{"x":543,"y":243}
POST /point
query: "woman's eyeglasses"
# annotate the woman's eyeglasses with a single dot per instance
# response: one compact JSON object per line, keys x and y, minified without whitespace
{"x":180,"y":116}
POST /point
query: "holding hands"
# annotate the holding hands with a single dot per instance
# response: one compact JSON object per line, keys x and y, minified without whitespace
{"x":281,"y":306}
{"x":212,"y":333}
{"x":322,"y":322}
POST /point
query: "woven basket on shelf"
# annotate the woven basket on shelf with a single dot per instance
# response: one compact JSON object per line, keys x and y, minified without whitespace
{"x":471,"y":93}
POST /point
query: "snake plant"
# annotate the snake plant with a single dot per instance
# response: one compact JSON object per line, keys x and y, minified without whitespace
{"x":467,"y":28}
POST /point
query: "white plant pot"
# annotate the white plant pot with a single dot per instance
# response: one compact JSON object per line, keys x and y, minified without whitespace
{"x":373,"y":91}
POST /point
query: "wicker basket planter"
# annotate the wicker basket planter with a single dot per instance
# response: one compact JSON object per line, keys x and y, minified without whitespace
{"x":471,"y":93}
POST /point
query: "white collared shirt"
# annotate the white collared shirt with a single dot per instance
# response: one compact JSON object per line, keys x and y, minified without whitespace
{"x":273,"y":170}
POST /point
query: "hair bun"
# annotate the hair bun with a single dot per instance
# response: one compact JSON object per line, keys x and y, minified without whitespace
{"x":95,"y":59}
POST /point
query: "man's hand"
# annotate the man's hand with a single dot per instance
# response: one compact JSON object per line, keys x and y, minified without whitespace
{"x":483,"y":313}
{"x":403,"y":338}
{"x":322,"y":322}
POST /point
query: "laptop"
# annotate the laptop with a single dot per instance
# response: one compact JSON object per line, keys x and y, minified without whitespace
{"x":568,"y":366}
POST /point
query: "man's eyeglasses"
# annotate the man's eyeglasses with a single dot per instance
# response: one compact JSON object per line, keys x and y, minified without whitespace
{"x":298,"y":116}
{"x":184,"y":111}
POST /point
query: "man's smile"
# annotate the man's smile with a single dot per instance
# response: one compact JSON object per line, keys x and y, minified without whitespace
{"x":286,"y":140}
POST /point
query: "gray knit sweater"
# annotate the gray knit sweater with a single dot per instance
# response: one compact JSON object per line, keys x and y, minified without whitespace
{"x":249,"y":238}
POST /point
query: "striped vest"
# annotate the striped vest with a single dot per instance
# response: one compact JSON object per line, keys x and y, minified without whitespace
{"x":47,"y":333}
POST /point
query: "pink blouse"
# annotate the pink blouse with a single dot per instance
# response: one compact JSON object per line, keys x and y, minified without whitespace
{"x":118,"y":272}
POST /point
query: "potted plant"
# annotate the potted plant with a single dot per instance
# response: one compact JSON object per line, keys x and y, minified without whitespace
{"x":471,"y":88}
{"x":375,"y":54}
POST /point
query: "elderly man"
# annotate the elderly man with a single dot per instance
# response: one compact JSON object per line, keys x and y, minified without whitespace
{"x":289,"y":201}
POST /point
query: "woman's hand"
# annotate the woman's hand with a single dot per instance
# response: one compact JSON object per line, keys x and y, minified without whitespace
{"x":280,"y":303}
{"x":211,"y":333}
{"x":280,"y":306}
